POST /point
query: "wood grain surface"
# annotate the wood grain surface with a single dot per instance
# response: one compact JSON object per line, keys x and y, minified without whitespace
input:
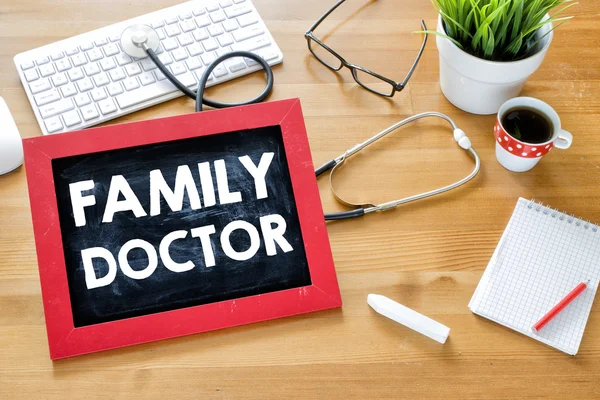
{"x":428,"y":255}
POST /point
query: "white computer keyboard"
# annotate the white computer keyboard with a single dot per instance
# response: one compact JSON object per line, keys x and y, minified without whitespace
{"x":87,"y":79}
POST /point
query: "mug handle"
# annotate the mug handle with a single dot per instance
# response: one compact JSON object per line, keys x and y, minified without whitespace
{"x":564,"y":140}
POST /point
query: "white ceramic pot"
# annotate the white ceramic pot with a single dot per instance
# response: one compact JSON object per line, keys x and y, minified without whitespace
{"x":479,"y":86}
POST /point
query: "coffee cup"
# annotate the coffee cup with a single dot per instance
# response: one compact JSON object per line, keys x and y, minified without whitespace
{"x":517,"y":154}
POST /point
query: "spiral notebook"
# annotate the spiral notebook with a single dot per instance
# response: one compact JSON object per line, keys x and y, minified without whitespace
{"x":542,"y":255}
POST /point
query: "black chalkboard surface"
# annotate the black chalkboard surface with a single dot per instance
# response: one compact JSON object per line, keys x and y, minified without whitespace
{"x":164,"y":289}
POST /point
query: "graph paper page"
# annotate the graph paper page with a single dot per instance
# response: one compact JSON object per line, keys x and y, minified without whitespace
{"x":541,"y":257}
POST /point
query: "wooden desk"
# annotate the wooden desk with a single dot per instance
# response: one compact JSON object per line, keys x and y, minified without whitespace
{"x":428,"y":256}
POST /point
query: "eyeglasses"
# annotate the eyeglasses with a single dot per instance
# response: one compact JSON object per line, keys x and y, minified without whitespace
{"x":369,"y":80}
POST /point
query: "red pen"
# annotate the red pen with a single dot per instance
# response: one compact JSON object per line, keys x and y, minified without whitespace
{"x":560,"y":306}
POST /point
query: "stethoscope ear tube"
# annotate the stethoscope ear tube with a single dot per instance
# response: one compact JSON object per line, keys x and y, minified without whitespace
{"x":365,"y":208}
{"x":199,"y":94}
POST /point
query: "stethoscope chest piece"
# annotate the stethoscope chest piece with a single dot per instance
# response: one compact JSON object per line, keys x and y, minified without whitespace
{"x":137,"y":38}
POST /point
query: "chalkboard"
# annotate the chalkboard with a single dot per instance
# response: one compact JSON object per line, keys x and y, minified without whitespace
{"x":164,"y":289}
{"x":174,"y":226}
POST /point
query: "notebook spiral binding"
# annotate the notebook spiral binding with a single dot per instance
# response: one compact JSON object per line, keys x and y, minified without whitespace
{"x":546,"y":210}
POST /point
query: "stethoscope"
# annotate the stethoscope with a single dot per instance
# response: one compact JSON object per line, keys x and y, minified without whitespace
{"x":361,"y":209}
{"x":142,"y":40}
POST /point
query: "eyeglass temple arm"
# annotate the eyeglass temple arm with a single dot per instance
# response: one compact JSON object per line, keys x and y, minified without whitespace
{"x":314,"y":26}
{"x":414,"y":66}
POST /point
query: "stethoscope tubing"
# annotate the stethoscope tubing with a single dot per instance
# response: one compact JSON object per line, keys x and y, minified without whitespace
{"x":362,"y":210}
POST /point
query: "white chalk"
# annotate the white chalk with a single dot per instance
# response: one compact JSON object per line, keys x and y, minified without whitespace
{"x":409,"y":318}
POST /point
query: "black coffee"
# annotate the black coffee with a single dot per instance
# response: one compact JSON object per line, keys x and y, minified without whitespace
{"x":527,"y":125}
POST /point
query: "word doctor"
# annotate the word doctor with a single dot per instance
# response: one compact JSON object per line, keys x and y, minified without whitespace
{"x":272,"y":226}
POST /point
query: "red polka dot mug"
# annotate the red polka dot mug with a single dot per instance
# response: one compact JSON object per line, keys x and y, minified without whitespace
{"x":519,"y":156}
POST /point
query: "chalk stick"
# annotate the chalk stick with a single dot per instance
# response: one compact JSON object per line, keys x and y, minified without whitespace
{"x":409,"y":318}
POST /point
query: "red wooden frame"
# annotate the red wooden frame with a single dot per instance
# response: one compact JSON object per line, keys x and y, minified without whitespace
{"x":65,"y":340}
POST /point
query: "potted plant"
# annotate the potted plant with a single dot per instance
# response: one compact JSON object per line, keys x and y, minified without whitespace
{"x":488,"y":48}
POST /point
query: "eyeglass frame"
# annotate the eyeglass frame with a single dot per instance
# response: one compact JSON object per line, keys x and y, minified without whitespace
{"x":396,"y":86}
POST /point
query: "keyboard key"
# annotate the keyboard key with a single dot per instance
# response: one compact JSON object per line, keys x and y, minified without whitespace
{"x":111,"y":49}
{"x":39,"y":86}
{"x":57,"y":55}
{"x":76,"y":74}
{"x":27,"y":65}
{"x":170,"y":44}
{"x":53,"y":124}
{"x":159,"y":75}
{"x":85,"y":84}
{"x":68,"y":90}
{"x":268,"y":54}
{"x":101,"y":42}
{"x":79,"y":59}
{"x":199,"y":72}
{"x":222,"y":51}
{"x":108,"y":64}
{"x":133,"y":69}
{"x":46,"y":97}
{"x":56,"y":108}
{"x":202,"y":21}
{"x":225,"y":3}
{"x":60,"y":79}
{"x":82,"y":99}
{"x":247,"y":20}
{"x":207,"y":58}
{"x":252,"y":44}
{"x":131,"y":83}
{"x":114,"y":38}
{"x":237,"y":66}
{"x":115,"y":89}
{"x":101,"y":79}
{"x":185,"y":16}
{"x":87,"y":46}
{"x":171,"y":20}
{"x":165,"y":58}
{"x":107,"y":106}
{"x":147,"y":78}
{"x":42,"y":61}
{"x":72,"y":51}
{"x":98,"y":94}
{"x":220,"y":71}
{"x":63,"y":65}
{"x":158,"y":89}
{"x":187,"y":26}
{"x":210,"y":44}
{"x":31,"y":75}
{"x":147,"y":64}
{"x":195,"y":49}
{"x":193,"y":63}
{"x":177,"y":68}
{"x":185,"y":39}
{"x":199,"y":11}
{"x":247,"y":33}
{"x":158,"y":24}
{"x":238,"y":1}
{"x":200,"y":35}
{"x":212,"y":7}
{"x":71,"y":118}
{"x":225,"y":40}
{"x":95,"y":54}
{"x":215,"y":30}
{"x":47,"y":70}
{"x":217,"y":16}
{"x":92,"y":69}
{"x":172,"y":30}
{"x":117,"y":74}
{"x":89,"y":112}
{"x":179,"y":54}
{"x":230,"y":25}
{"x":123,"y":59}
{"x":236,"y":11}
